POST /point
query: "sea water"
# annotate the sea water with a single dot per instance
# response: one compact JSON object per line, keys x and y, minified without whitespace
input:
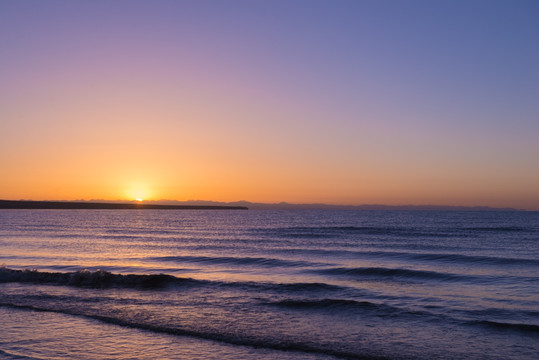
{"x":261,"y":284}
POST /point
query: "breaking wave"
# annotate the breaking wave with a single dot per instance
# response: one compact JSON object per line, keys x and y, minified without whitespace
{"x":105,"y":279}
{"x":86,"y":278}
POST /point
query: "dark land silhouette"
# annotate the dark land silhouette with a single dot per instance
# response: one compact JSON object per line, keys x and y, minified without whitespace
{"x":27,"y":204}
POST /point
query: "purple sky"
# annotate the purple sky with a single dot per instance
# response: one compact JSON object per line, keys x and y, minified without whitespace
{"x":350,"y":102}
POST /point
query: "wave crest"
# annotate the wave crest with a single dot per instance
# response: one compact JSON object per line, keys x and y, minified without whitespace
{"x":87,"y":278}
{"x":389,"y":273}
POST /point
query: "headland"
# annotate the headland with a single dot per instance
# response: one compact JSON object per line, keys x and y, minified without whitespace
{"x":72,"y":205}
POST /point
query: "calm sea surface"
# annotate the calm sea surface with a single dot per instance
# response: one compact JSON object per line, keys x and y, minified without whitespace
{"x":177,"y":284}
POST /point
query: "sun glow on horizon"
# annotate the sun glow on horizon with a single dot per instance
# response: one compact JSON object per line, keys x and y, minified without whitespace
{"x":138,"y":191}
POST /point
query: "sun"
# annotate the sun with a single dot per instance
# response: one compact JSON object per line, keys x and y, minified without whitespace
{"x":138,"y":191}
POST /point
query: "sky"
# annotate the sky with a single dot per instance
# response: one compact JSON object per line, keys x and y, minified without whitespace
{"x":305,"y":101}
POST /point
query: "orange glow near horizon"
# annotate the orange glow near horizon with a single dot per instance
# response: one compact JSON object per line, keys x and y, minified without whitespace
{"x":287,"y":111}
{"x":139,"y":192}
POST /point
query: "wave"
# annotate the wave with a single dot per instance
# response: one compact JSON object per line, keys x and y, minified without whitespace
{"x":278,"y":287}
{"x":384,"y":310}
{"x":405,"y":255}
{"x":105,"y":279}
{"x":522,"y":327}
{"x":86,"y":278}
{"x":341,"y":304}
{"x":497,"y":229}
{"x":390,"y":273}
{"x":502,"y":312}
{"x":400,"y":231}
{"x":322,"y":303}
{"x":300,"y":287}
{"x":229,"y":338}
{"x":8,"y":355}
{"x":452,"y":258}
{"x":474,"y":259}
{"x":332,"y":231}
{"x":227,"y":260}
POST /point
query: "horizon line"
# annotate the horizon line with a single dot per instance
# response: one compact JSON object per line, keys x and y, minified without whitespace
{"x":286,"y":204}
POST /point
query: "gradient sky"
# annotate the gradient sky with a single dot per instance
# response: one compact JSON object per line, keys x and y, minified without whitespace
{"x":344,"y":102}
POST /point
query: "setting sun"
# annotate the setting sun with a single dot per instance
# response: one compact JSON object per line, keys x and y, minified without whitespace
{"x":138,"y":191}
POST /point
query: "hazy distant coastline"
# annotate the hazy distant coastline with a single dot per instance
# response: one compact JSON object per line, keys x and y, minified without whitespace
{"x":320,"y":206}
{"x":237,"y":205}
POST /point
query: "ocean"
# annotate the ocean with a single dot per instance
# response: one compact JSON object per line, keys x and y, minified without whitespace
{"x":264,"y":284}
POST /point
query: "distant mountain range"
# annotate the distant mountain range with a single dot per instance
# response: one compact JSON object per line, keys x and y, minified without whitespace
{"x":204,"y":204}
{"x":320,"y":206}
